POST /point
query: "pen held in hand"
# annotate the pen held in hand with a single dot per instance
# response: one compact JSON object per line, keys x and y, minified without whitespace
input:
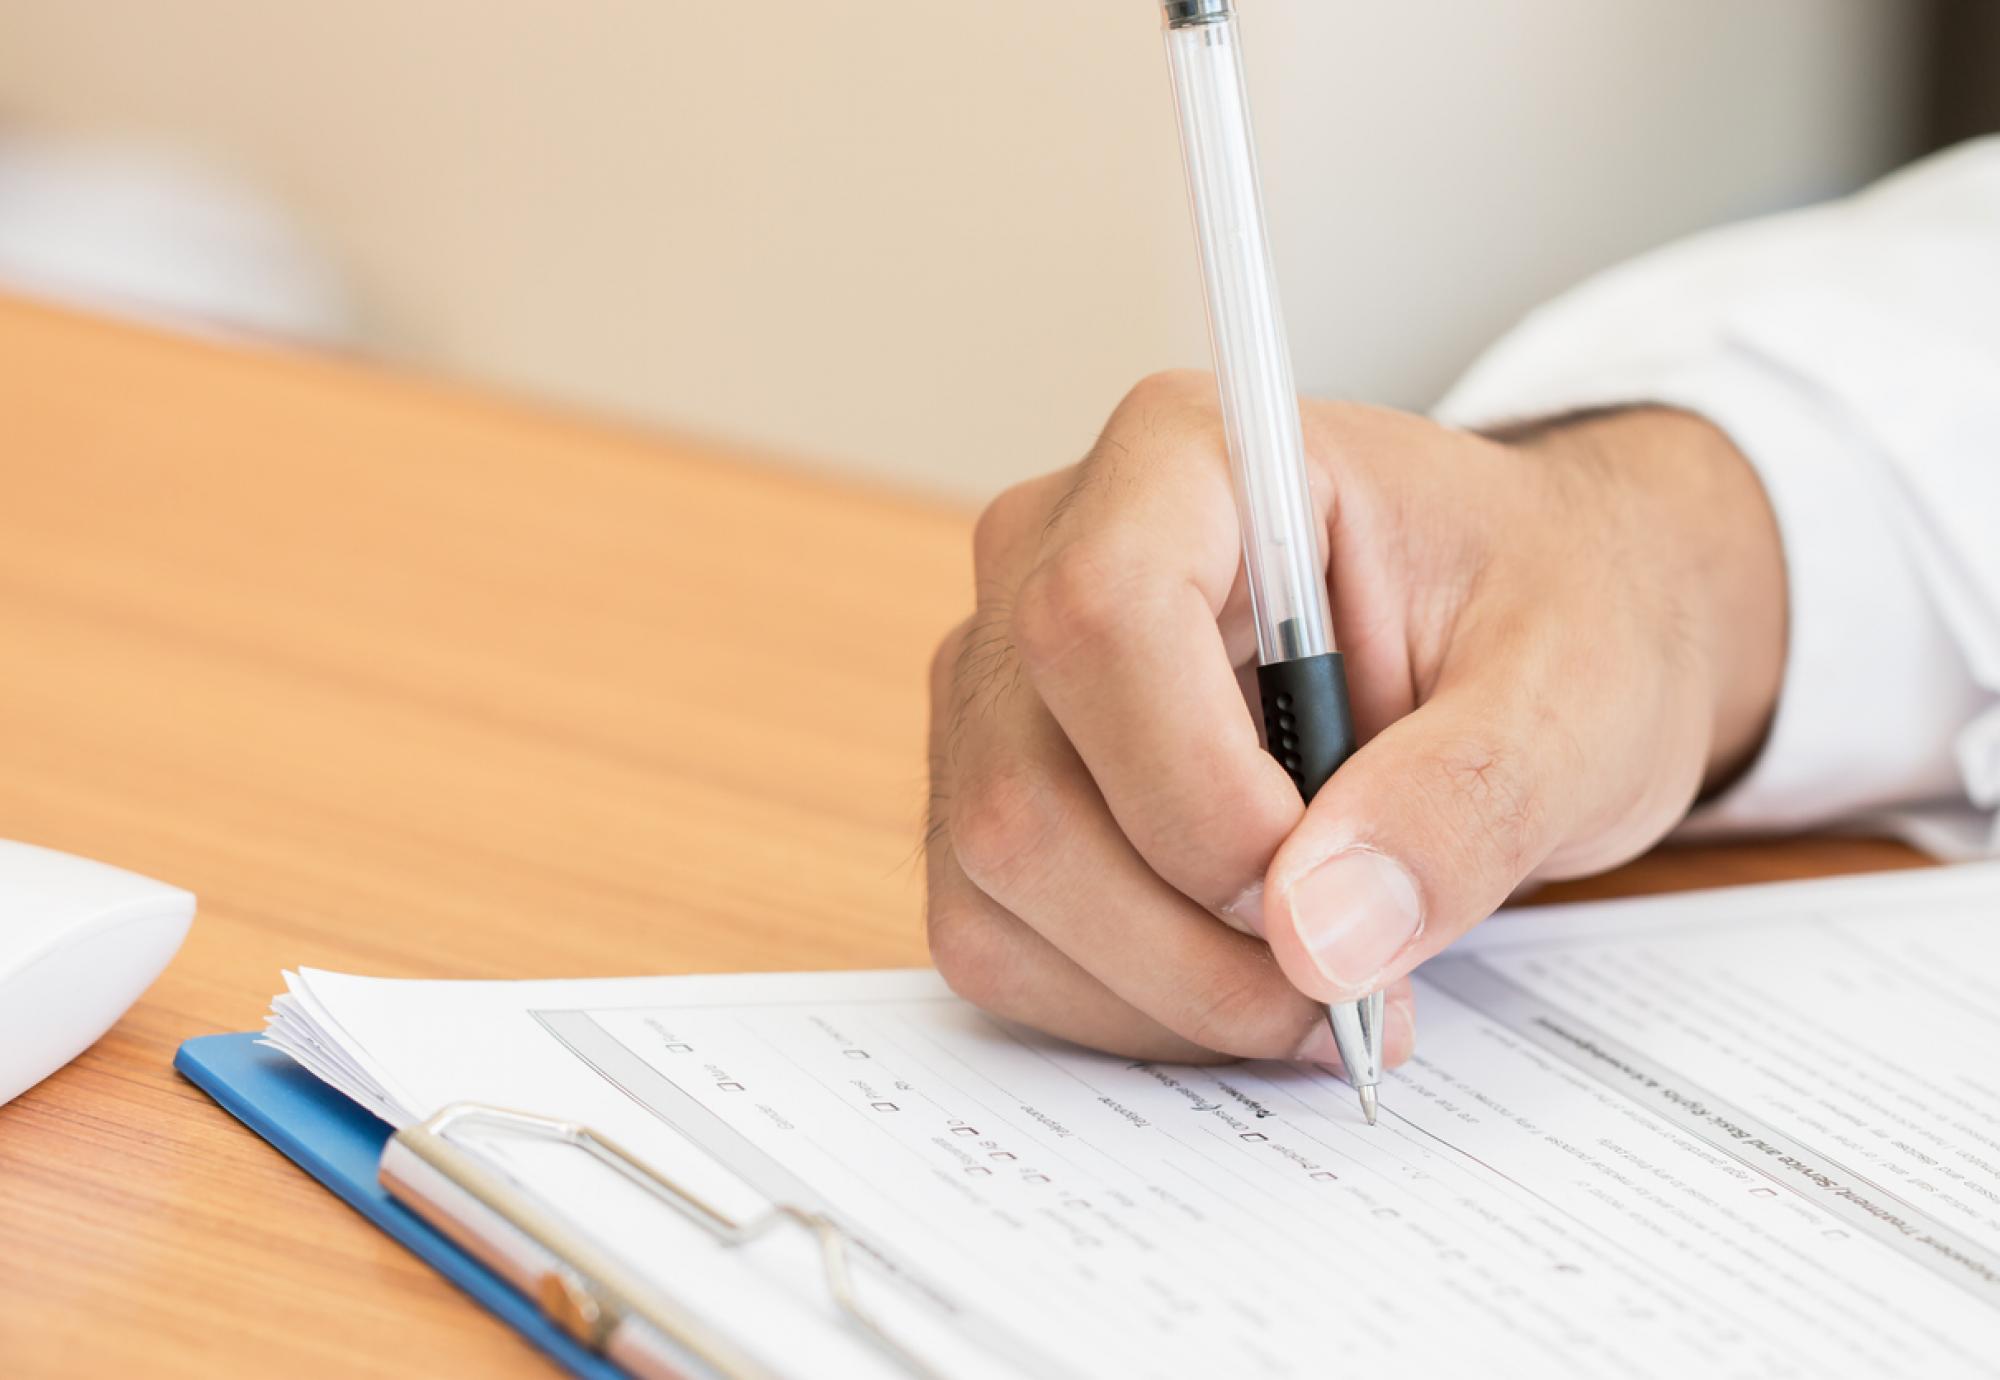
{"x":1308,"y":725}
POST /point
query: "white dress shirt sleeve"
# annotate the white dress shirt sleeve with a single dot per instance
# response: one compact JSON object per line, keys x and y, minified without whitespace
{"x":1852,"y":353}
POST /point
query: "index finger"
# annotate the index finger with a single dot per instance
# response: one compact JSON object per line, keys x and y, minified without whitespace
{"x":1131,"y":624}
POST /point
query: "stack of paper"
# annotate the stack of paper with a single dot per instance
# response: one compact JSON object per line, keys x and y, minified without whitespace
{"x":1741,"y":1133}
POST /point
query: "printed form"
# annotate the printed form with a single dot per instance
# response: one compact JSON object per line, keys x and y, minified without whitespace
{"x":1749,"y":1133}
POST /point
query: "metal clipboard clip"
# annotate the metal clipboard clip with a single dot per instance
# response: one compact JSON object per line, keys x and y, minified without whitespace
{"x":584,"y":1289}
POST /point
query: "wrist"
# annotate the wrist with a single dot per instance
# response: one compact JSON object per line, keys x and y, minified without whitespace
{"x":1695,"y":516}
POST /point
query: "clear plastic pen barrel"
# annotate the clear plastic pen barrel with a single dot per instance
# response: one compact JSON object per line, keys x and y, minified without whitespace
{"x":1260,"y":410}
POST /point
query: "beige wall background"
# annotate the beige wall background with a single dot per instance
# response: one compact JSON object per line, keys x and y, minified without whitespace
{"x":934,"y":240}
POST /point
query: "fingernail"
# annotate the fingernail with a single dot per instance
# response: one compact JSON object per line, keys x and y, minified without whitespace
{"x":1246,"y":912}
{"x":1318,"y":1047}
{"x":1354,"y":912}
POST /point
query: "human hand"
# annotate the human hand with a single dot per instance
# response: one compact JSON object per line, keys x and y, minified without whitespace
{"x":1552,"y":642}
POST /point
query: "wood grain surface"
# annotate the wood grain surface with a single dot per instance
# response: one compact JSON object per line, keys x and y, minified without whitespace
{"x":406,"y":680}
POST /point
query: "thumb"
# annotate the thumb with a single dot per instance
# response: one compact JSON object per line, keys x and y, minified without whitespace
{"x":1418,"y":837}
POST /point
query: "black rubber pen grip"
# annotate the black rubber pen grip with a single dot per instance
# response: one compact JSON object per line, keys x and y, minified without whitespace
{"x":1308,"y":725}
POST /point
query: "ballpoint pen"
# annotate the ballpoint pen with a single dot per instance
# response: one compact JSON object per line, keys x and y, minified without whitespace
{"x":1308,"y":725}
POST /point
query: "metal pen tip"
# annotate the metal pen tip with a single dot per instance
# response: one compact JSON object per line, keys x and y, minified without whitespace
{"x":1357,"y":1033}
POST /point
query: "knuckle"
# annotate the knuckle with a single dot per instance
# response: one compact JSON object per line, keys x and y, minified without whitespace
{"x":999,"y":822}
{"x":1001,"y":523}
{"x":969,"y":954}
{"x":1168,"y":388}
{"x":1158,"y":409}
{"x":1073,"y":598}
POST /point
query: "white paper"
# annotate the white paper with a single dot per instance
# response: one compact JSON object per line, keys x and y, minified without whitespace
{"x":1753,"y":1132}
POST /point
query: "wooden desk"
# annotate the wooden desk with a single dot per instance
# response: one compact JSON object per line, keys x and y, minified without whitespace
{"x":405,"y":680}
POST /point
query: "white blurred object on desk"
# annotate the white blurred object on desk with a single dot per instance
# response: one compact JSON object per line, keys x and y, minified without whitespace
{"x":156,"y":235}
{"x":79,"y":942}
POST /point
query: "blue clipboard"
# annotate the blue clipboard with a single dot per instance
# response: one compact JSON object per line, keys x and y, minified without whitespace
{"x":339,"y":1143}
